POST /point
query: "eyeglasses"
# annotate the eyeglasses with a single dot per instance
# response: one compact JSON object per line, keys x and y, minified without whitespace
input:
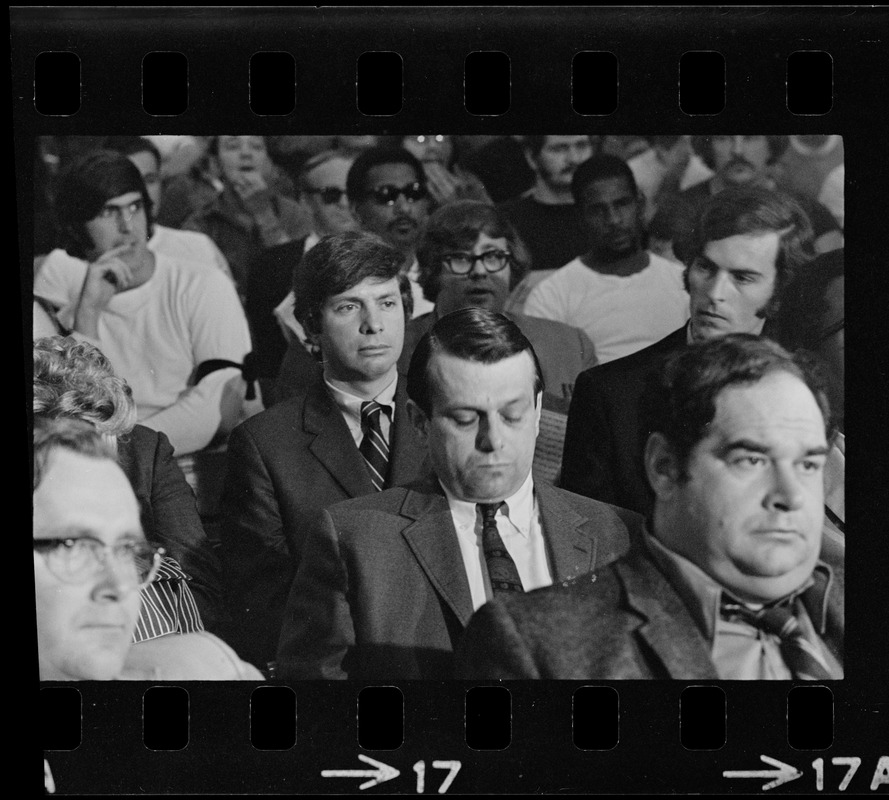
{"x":463,"y":263}
{"x":78,"y":560}
{"x":387,"y":194}
{"x":830,"y":330}
{"x":118,"y":213}
{"x":330,"y":195}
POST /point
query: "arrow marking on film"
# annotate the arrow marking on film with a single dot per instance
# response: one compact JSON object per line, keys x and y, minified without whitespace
{"x":783,"y":774}
{"x":381,"y":774}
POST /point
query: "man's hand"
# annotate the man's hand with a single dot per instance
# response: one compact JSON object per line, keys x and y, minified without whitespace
{"x":105,"y":277}
{"x":442,"y":185}
{"x":253,"y":190}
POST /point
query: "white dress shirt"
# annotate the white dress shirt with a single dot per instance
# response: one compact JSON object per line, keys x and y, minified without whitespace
{"x":350,"y":407}
{"x":518,"y":522}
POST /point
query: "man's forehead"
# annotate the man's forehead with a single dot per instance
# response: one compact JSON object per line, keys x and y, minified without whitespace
{"x":778,"y":405}
{"x":332,"y":172}
{"x":754,"y":251}
{"x":557,"y":141}
{"x":612,"y":188}
{"x":84,"y":492}
{"x":459,"y":380}
{"x":369,"y":287}
{"x":390,"y":173}
{"x":123,"y":200}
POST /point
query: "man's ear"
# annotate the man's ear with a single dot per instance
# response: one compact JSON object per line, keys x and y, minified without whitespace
{"x":418,"y":419}
{"x":661,"y":467}
{"x":538,"y":409}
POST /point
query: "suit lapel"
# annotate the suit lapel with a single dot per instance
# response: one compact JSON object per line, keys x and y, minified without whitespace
{"x":407,"y":451}
{"x":666,"y":624}
{"x":433,"y":541}
{"x":571,"y":545}
{"x":333,"y":445}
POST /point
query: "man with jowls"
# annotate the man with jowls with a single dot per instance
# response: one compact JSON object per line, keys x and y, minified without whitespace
{"x":731,"y":578}
{"x":388,"y":582}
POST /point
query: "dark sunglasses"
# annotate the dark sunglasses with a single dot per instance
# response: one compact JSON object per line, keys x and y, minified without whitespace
{"x":387,"y":194}
{"x":330,"y":195}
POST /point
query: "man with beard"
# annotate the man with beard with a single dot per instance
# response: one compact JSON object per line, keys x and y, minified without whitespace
{"x":546,"y":216}
{"x":737,"y":161}
{"x":744,"y":250}
{"x":388,"y":195}
{"x":623,"y":297}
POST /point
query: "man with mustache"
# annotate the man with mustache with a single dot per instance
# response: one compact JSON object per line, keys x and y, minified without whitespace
{"x":731,"y":578}
{"x":387,"y":192}
{"x":546,"y":216}
{"x":737,"y":161}
{"x":622,"y":296}
{"x":744,"y":250}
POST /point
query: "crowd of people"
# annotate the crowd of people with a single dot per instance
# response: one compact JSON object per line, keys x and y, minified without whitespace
{"x":487,"y":407}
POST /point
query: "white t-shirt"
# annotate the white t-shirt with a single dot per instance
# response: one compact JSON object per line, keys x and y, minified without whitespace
{"x":157,"y":334}
{"x":620,"y":314}
{"x":187,"y":246}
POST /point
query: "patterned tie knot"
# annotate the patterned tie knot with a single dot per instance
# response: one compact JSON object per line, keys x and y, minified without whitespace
{"x":374,"y":446}
{"x":502,"y":571}
{"x":802,"y":657}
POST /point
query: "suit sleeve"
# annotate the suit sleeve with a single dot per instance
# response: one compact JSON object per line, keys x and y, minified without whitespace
{"x":589,"y":444}
{"x":178,"y":527}
{"x":492,"y":648}
{"x":318,"y":631}
{"x":258,"y":567}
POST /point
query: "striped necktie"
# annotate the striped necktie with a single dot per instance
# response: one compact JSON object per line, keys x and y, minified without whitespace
{"x":374,"y":446}
{"x":802,"y":657}
{"x":502,"y":570}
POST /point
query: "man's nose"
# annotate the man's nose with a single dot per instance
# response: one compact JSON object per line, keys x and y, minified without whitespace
{"x":737,"y":145}
{"x":786,"y":491}
{"x":372,"y":321}
{"x":124,"y":220}
{"x":114,"y":580}
{"x":478,"y":269}
{"x":716,"y":287}
{"x":490,"y":436}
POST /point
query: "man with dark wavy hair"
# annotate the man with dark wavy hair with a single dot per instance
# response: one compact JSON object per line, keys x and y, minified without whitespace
{"x":737,"y":161}
{"x":288,"y":463}
{"x":732,"y":578}
{"x":741,"y":253}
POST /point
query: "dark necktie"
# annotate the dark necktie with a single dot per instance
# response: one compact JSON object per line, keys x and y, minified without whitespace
{"x":374,"y":446}
{"x":802,"y":657}
{"x":501,"y":568}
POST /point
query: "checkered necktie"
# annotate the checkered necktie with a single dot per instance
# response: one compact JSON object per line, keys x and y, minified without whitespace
{"x":501,"y":568}
{"x":374,"y":446}
{"x":802,"y":657}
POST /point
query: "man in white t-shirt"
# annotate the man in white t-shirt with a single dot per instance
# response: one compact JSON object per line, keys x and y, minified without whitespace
{"x":622,"y":296}
{"x":174,"y":330}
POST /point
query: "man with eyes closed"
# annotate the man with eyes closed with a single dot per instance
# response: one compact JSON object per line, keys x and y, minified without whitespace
{"x":388,"y":582}
{"x":343,"y":434}
{"x":740,"y":255}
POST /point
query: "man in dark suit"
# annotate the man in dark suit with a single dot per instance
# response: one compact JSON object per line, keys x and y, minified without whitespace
{"x":743,"y":253}
{"x":291,"y":461}
{"x":387,"y":583}
{"x":731,"y":578}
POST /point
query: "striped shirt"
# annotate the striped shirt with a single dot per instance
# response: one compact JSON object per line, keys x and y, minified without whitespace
{"x":168,"y":606}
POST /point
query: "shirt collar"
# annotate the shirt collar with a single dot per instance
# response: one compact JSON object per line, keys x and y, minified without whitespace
{"x":702,"y":595}
{"x":519,"y":508}
{"x":311,"y":240}
{"x":350,"y":404}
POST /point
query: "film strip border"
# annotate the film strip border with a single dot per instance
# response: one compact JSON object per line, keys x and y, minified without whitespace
{"x":515,"y":737}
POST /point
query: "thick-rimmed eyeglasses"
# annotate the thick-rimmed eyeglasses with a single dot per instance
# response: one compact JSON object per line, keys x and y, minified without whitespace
{"x":76,"y":560}
{"x":118,"y":213}
{"x":330,"y":195}
{"x":387,"y":194}
{"x":463,"y":263}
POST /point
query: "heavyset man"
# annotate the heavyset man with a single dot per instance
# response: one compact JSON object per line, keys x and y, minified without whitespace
{"x":388,"y":582}
{"x":732,"y":579}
